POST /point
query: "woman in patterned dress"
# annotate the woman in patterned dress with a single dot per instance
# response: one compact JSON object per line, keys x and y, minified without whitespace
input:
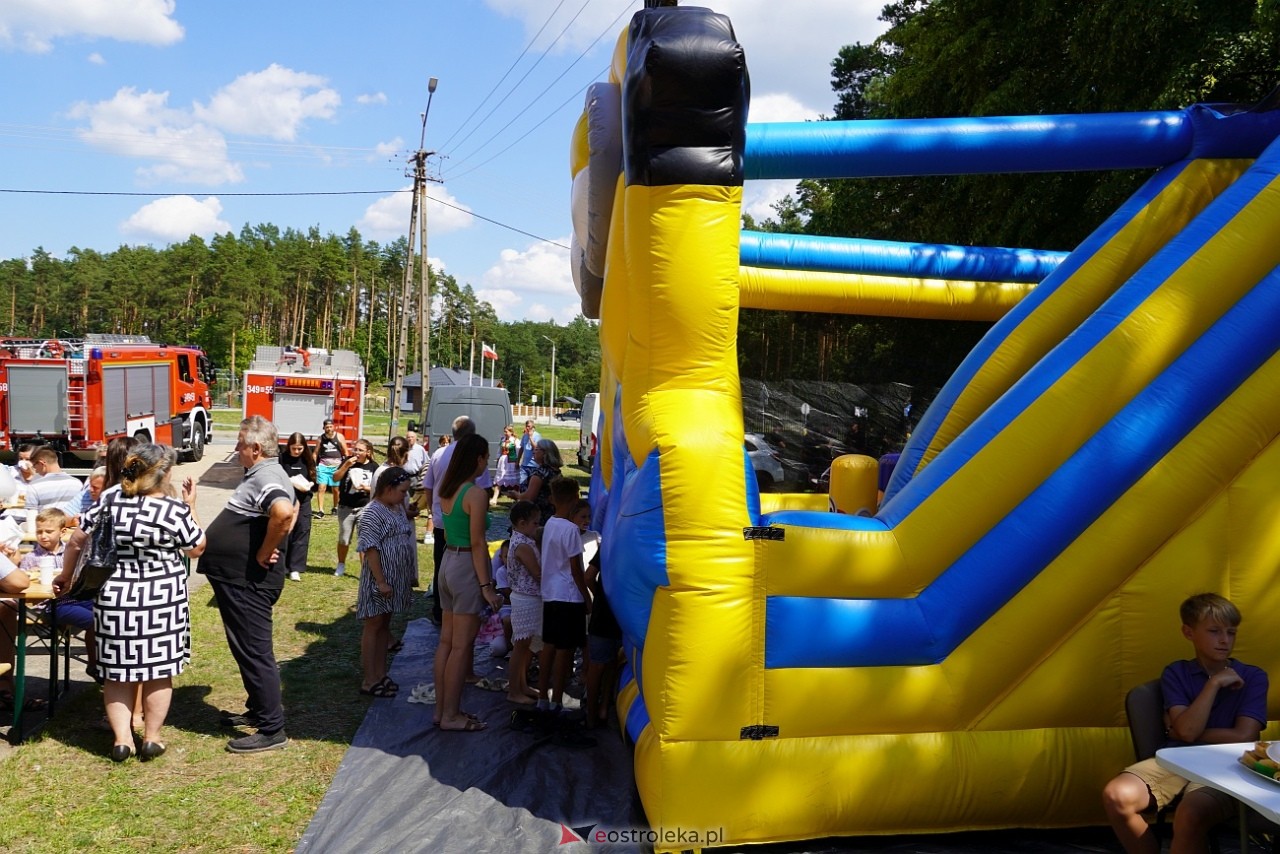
{"x":390,"y":553}
{"x":141,"y":619}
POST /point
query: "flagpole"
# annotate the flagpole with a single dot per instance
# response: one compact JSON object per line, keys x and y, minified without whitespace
{"x":471,"y":365}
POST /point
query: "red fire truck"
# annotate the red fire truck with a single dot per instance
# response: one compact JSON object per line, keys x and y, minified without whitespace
{"x":77,"y":393}
{"x":298,"y":389}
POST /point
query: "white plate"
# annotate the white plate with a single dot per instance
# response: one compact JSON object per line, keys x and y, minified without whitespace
{"x":1263,"y":776}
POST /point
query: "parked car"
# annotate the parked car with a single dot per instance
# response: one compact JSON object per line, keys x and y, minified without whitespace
{"x":569,"y":415}
{"x":765,"y":461}
{"x":588,"y":429}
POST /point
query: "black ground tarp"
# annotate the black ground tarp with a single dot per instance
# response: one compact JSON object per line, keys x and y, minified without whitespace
{"x":406,"y":787}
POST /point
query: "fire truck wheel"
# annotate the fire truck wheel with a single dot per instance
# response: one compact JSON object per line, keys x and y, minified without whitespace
{"x":196,"y":451}
{"x":142,"y":436}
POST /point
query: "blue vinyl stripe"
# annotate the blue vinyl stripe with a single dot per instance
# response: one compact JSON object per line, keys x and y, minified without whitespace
{"x":977,"y":360}
{"x":1076,"y":346}
{"x":855,"y":255}
{"x":927,"y":629}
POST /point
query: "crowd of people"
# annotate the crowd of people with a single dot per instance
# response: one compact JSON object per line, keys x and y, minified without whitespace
{"x":137,"y":627}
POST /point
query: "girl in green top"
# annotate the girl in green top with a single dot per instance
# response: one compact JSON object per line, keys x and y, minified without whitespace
{"x":465,"y":583}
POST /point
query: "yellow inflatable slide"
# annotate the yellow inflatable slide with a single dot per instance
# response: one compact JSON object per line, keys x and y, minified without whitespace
{"x":960,"y":659}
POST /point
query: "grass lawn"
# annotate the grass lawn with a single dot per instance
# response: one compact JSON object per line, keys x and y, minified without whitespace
{"x":61,"y":792}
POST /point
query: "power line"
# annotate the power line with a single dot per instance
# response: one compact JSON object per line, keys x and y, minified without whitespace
{"x":201,"y":193}
{"x":525,"y":76}
{"x":525,"y":136}
{"x":504,"y":76}
{"x":547,"y":88}
{"x":500,"y":224}
{"x":582,"y":55}
{"x":470,"y":213}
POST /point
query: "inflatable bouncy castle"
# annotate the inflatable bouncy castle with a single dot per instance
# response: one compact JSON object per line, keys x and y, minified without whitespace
{"x":958,"y":660}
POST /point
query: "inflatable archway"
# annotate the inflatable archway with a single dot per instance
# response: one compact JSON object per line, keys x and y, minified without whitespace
{"x":960,"y":660}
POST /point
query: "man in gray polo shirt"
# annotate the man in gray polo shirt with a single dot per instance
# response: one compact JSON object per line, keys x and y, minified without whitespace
{"x":247,"y":576}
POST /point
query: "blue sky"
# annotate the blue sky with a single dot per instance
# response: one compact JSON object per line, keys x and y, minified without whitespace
{"x":196,"y":102}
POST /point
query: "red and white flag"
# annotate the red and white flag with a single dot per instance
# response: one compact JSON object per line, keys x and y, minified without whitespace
{"x":488,"y":352}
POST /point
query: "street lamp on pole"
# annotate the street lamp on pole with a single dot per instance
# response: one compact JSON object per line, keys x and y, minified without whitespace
{"x":406,"y":303}
{"x":553,"y":371}
{"x":424,"y":280}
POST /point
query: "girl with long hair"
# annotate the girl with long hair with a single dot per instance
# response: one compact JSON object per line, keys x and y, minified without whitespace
{"x":300,"y":465}
{"x":466,"y":584}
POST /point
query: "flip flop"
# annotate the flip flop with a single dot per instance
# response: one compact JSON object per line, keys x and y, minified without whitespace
{"x":488,"y":684}
{"x":396,"y":647}
{"x":471,"y":725}
{"x":384,"y":689}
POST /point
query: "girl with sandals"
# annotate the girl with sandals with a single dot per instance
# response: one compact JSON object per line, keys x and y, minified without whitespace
{"x":465,"y":582}
{"x":390,"y":554}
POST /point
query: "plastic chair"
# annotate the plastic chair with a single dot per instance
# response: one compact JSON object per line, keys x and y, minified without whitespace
{"x":1144,"y":707}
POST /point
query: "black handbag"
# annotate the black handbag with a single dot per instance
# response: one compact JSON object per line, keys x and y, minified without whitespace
{"x":98,"y":559}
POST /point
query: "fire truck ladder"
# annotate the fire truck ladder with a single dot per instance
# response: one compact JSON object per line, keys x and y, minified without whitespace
{"x":346,"y":405}
{"x":77,"y":400}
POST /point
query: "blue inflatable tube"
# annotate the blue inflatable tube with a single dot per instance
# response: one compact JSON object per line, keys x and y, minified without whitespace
{"x":927,"y":628}
{"x":880,"y":148}
{"x":888,"y":258}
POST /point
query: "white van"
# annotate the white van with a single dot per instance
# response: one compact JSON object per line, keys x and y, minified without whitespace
{"x":489,"y":408}
{"x":589,"y":429}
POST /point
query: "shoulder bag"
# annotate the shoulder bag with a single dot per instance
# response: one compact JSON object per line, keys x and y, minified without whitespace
{"x":98,"y":559}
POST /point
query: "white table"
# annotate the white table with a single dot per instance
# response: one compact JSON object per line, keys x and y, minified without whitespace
{"x":1218,"y":766}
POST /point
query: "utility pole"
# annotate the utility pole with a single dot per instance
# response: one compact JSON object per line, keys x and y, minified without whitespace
{"x":553,"y":373}
{"x":406,"y":302}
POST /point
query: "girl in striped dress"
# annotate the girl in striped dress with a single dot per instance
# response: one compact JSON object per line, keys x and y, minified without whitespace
{"x":390,"y":557}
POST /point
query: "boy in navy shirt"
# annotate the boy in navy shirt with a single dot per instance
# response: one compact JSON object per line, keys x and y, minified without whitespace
{"x":1210,"y":699}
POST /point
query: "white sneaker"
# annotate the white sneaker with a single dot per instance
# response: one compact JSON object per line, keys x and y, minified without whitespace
{"x":340,"y":571}
{"x":293,"y":576}
{"x":428,"y":539}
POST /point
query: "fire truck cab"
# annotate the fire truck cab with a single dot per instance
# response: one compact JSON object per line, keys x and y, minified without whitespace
{"x":76,"y":394}
{"x":298,"y":389}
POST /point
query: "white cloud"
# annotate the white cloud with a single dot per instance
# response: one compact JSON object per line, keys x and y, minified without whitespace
{"x":174,"y":219}
{"x":96,"y":58}
{"x":34,"y":25}
{"x":780,"y":108}
{"x":190,"y":144}
{"x":274,"y":102}
{"x":535,"y":283}
{"x":758,"y":197}
{"x":374,"y":98}
{"x":388,"y":217}
{"x":389,"y":149}
{"x":143,"y":125}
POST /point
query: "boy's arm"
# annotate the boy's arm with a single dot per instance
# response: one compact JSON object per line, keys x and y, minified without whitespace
{"x":579,"y":578}
{"x":1187,"y":723}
